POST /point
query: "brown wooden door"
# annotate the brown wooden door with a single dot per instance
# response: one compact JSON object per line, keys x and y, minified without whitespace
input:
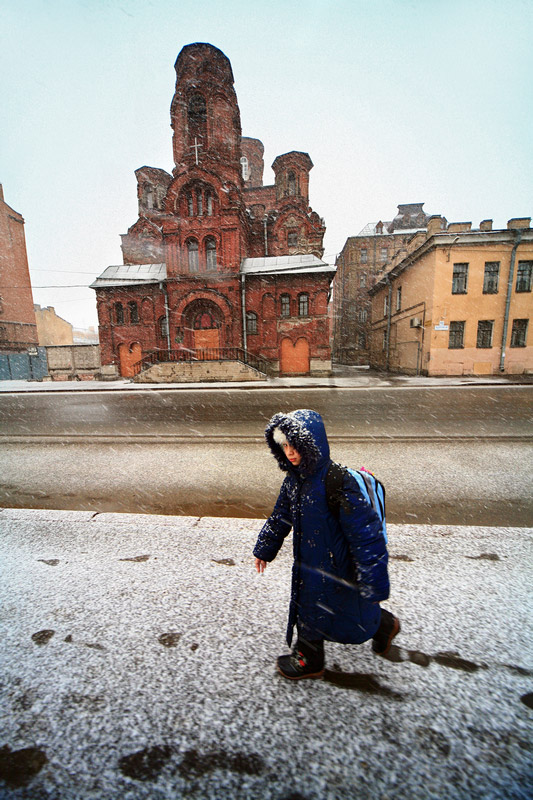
{"x":294,"y":359}
{"x":128,"y":356}
{"x":207,"y":341}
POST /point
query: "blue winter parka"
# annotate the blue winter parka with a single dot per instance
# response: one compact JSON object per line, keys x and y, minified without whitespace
{"x":339,"y":574}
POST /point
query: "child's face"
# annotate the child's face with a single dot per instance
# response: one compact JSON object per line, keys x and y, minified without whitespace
{"x":292,"y":454}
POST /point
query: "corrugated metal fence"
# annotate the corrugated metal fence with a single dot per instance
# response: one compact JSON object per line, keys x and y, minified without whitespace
{"x":24,"y":366}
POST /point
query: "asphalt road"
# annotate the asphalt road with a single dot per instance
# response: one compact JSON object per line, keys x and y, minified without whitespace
{"x":447,"y":456}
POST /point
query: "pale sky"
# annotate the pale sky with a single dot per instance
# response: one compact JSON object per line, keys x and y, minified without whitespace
{"x":395,"y":101}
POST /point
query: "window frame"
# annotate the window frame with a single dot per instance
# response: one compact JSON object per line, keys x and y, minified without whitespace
{"x":519,"y":333}
{"x":303,"y":303}
{"x":251,"y":323}
{"x":491,"y":279}
{"x":133,"y":312}
{"x":210,"y":248}
{"x":481,"y":340}
{"x":285,"y":304}
{"x":460,"y":278}
{"x":456,"y":336}
{"x":193,"y":263}
{"x":118,"y":310}
{"x":523,"y":281}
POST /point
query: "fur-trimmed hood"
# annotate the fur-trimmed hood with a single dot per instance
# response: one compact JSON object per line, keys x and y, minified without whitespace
{"x":305,"y":431}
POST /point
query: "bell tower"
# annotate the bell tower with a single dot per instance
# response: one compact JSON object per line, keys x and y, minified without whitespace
{"x":204,"y":114}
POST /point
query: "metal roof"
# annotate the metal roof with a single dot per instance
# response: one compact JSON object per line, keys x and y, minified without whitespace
{"x":283,"y":265}
{"x":130,"y":275}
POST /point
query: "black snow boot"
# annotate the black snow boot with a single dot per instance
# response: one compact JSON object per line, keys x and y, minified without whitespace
{"x":305,"y":661}
{"x":389,"y":627}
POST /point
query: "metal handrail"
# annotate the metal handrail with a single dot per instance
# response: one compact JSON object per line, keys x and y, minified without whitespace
{"x":186,"y":355}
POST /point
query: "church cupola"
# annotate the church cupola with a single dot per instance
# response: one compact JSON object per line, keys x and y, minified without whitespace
{"x":204,"y":113}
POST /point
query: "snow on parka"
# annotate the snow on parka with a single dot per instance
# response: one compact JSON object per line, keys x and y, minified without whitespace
{"x":339,"y":573}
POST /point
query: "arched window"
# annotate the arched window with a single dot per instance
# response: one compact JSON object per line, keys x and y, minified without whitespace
{"x":199,"y":202}
{"x":244,"y":168}
{"x":205,"y":321}
{"x":192,"y":249}
{"x":285,"y":305}
{"x":134,"y":312}
{"x":119,"y":314}
{"x":163,"y":327}
{"x":291,"y":182}
{"x":303,"y":305}
{"x":148,"y":192}
{"x":190,"y":207}
{"x":251,"y":322}
{"x":209,"y":203}
{"x":210,"y":253}
{"x":197,"y":119}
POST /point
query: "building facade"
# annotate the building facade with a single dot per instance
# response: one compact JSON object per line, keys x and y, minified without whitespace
{"x":459,"y":302}
{"x":362,"y":259}
{"x":18,"y":328}
{"x":216,"y":261}
{"x":51,"y":328}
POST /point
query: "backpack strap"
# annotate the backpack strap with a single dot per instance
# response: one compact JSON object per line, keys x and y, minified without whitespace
{"x":334,"y":483}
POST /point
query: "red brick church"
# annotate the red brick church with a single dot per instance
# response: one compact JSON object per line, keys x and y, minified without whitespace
{"x":218,"y":266}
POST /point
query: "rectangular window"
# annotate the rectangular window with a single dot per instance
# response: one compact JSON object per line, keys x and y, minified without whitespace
{"x":519,"y":333}
{"x":523,"y":276}
{"x":484,"y":333}
{"x":362,"y":315}
{"x":362,"y":280}
{"x":361,"y":341}
{"x":398,"y":298}
{"x":490,"y":279}
{"x":285,"y":305}
{"x":292,"y":239}
{"x":457,"y":333}
{"x":460,"y":278}
{"x":384,"y":254}
{"x":364,"y":255}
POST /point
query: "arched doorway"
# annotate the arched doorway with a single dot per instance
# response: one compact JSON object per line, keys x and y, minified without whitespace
{"x":128,"y":356}
{"x":203,"y":322}
{"x":294,"y":359}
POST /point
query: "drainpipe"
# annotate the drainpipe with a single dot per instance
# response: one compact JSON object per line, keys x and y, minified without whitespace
{"x":265,"y":234}
{"x":389,"y":312}
{"x":243,"y":306}
{"x":165,"y":294}
{"x":508,"y":300}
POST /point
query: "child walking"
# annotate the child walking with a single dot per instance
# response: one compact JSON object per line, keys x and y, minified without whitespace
{"x":339,"y":574}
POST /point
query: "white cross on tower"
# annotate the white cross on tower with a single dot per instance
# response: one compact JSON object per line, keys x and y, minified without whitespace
{"x":196,"y":147}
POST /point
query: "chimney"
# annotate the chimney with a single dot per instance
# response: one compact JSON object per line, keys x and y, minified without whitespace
{"x":434,"y":225}
{"x":518,"y":222}
{"x":459,"y":227}
{"x":485,"y":225}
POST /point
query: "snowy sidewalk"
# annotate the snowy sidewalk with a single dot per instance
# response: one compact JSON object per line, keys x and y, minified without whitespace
{"x":138,"y":659}
{"x":342,"y":378}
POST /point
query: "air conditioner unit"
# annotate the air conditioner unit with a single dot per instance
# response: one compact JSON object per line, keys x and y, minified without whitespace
{"x":415,"y":322}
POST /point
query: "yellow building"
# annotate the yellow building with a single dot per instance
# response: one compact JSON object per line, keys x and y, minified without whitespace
{"x":459,"y":302}
{"x":52,"y":329}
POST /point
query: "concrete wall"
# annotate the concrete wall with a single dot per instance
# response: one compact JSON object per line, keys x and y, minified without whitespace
{"x":74,"y":362}
{"x":198,"y":372}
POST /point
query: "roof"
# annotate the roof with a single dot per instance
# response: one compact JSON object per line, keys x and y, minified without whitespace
{"x":370,"y":229}
{"x":130,"y":275}
{"x":282,"y":265}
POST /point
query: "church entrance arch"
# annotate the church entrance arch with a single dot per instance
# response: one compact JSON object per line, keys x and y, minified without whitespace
{"x":294,"y":358}
{"x":203,"y":323}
